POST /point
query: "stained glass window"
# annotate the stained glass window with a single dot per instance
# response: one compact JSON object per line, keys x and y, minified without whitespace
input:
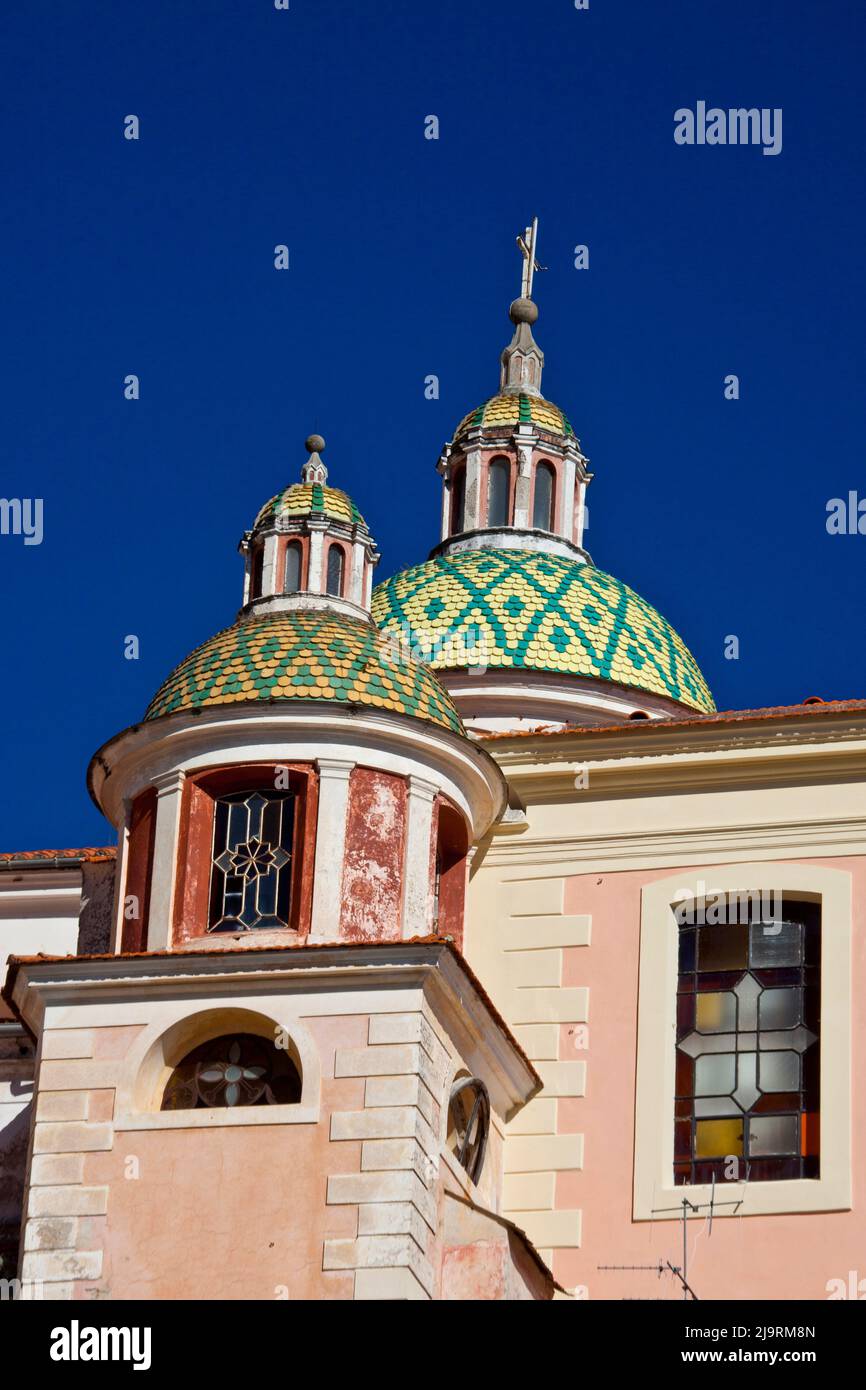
{"x":252,"y":861}
{"x":233,"y":1071}
{"x":748,"y":1030}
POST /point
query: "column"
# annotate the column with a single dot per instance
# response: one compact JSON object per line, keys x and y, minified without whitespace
{"x":472,"y":506}
{"x":330,"y":848}
{"x":417,"y":889}
{"x":523,"y":490}
{"x":169,"y":788}
{"x":315,"y":582}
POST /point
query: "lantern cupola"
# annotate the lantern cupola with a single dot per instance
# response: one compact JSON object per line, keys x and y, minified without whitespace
{"x":309,"y":547}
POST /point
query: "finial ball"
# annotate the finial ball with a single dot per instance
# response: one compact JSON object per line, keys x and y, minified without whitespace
{"x":523,"y":311}
{"x":315,"y":444}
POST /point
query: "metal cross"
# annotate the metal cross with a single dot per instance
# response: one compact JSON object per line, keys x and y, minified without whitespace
{"x":527,"y":244}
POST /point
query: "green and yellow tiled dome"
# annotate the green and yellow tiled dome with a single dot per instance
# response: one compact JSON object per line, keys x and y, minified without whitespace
{"x":503,"y":412}
{"x":310,"y":500}
{"x":526,"y":609}
{"x":305,"y":655}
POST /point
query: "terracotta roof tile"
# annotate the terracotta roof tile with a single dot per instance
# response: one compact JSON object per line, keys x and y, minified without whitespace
{"x":15,"y":962}
{"x":736,"y":716}
{"x":39,"y":858}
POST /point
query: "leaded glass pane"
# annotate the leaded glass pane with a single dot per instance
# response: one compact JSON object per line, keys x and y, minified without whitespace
{"x":775,"y":943}
{"x":779,"y":1071}
{"x":774,"y":1134}
{"x":779,"y":1008}
{"x":716,"y":1013}
{"x":229,"y":1072}
{"x":722,"y":948}
{"x":715,"y":1074}
{"x":252,"y":862}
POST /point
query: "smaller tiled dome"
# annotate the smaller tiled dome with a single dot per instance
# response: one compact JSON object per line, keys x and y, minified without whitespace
{"x":305,"y":655}
{"x":506,"y":411}
{"x":303,"y":500}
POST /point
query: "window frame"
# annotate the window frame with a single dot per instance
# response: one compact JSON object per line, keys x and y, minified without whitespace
{"x":344,"y":569}
{"x":257,"y":572}
{"x":294,"y":542}
{"x":457,"y":501}
{"x":182,"y":1023}
{"x":550,"y":470}
{"x":654,"y":1188}
{"x":508,"y":471}
{"x":195,"y":842}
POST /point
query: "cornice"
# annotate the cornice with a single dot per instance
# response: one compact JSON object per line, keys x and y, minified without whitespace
{"x":433,"y":966}
{"x":675,"y":846}
{"x":668,"y":760}
{"x":133,"y":757}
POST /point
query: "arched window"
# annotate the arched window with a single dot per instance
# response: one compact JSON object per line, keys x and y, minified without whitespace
{"x":256,"y":572}
{"x":292,"y":580}
{"x":449,"y":875}
{"x":542,"y":502}
{"x":469,"y":1123}
{"x":498,"y":489}
{"x":336,"y":563}
{"x":227,"y":1072}
{"x":458,"y":500}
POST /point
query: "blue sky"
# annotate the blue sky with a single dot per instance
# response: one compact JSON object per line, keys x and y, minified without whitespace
{"x":306,"y":128}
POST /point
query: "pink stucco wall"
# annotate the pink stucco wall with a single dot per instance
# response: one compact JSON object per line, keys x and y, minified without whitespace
{"x":774,"y":1257}
{"x":229,"y":1212}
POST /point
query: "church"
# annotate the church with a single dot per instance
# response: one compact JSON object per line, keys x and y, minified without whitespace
{"x":450,"y":945}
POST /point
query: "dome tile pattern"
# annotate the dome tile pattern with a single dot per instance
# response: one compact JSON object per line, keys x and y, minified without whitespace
{"x":526,"y":609}
{"x":310,"y":499}
{"x":309,"y":655}
{"x":504,"y":412}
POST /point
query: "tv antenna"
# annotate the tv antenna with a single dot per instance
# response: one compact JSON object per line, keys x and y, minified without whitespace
{"x":681,"y":1272}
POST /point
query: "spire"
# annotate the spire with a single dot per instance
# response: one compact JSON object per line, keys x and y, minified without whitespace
{"x":522,"y":360}
{"x":314,"y":470}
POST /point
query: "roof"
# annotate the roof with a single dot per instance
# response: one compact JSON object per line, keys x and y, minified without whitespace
{"x":811,"y":710}
{"x":302,"y":500}
{"x":531,"y":610}
{"x":56,"y":858}
{"x":310,"y":654}
{"x":505,"y":412}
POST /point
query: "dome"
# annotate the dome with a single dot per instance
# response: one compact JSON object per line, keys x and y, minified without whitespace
{"x":305,"y":655}
{"x":506,"y":411}
{"x":303,"y":500}
{"x":522,"y":609}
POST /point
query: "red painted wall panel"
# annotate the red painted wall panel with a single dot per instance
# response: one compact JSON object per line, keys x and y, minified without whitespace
{"x":373,"y":867}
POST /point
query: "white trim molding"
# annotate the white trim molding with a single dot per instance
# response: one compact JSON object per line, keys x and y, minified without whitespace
{"x":654,"y":1189}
